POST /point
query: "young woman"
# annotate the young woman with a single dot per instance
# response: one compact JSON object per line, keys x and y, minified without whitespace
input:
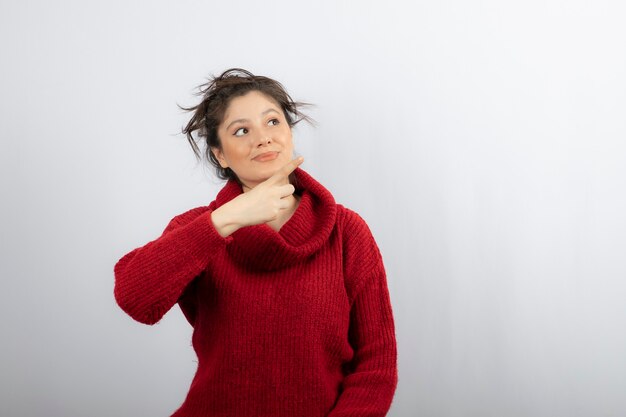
{"x":285,"y":289}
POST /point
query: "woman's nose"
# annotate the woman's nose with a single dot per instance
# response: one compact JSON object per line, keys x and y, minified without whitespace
{"x":263,"y":140}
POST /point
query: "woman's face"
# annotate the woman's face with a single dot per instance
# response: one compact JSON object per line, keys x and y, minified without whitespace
{"x":255,"y":137}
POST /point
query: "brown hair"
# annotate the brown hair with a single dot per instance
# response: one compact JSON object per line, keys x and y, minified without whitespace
{"x":216,"y":96}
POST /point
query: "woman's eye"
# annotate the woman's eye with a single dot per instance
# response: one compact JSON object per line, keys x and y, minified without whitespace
{"x":241,"y":131}
{"x":273,"y":122}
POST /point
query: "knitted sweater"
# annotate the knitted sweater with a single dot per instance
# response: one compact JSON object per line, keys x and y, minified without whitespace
{"x":295,"y":323}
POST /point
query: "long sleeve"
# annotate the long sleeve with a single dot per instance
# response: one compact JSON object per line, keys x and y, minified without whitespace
{"x":368,"y":390}
{"x":369,"y":386}
{"x":150,"y":279}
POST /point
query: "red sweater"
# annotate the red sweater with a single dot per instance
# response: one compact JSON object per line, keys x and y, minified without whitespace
{"x":295,"y":323}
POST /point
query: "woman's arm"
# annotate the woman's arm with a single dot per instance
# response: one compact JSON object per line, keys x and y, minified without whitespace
{"x":369,"y":387}
{"x":368,"y":390}
{"x":150,"y":279}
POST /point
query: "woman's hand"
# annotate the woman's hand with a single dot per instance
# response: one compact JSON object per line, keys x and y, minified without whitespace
{"x":262,"y":204}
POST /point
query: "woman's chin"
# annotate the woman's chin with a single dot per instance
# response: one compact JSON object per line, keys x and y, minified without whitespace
{"x":262,"y":172}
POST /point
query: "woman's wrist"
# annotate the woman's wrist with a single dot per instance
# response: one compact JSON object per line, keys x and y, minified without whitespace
{"x":224,"y":224}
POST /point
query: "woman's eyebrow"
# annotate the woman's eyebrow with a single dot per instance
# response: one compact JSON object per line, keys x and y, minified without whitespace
{"x":270,"y":110}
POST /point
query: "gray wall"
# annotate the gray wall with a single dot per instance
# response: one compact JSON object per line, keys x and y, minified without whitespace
{"x":484,"y":143}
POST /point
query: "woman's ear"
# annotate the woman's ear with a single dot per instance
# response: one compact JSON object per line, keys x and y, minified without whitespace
{"x":219,"y":155}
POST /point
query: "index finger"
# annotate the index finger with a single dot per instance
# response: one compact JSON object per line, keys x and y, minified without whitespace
{"x":284,"y":172}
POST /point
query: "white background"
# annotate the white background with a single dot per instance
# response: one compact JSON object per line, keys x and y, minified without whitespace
{"x":483,"y":142}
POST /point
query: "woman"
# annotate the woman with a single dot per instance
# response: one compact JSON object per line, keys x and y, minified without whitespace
{"x":285,"y":289}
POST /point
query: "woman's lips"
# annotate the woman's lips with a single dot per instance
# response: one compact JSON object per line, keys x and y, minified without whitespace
{"x":266,"y":156}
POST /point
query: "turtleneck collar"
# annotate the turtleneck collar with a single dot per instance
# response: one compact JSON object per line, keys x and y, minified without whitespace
{"x":259,"y":247}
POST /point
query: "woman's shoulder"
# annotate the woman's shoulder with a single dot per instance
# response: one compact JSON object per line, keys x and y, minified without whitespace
{"x":192,"y":213}
{"x":187,"y":217}
{"x":356,"y":234}
{"x":352,"y":223}
{"x":361,"y":256}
